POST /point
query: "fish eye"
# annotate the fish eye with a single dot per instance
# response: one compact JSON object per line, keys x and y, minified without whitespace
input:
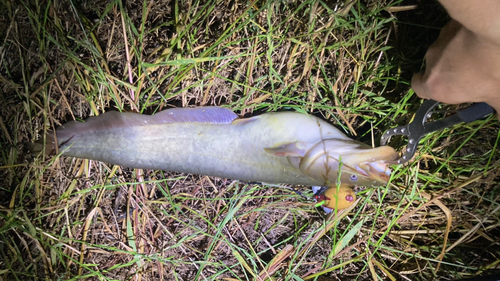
{"x":354,"y":177}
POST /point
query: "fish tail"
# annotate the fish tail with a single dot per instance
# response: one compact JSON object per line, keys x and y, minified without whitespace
{"x":46,"y":145}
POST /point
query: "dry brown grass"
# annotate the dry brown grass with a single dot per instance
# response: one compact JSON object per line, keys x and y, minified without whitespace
{"x":64,"y":218}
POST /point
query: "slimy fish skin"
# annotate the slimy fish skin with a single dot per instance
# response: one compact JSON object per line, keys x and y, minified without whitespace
{"x":282,"y":147}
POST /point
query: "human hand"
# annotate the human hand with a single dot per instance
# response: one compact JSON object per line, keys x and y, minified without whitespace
{"x":462,"y":66}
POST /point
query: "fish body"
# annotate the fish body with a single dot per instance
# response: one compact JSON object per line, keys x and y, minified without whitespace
{"x":283,"y":147}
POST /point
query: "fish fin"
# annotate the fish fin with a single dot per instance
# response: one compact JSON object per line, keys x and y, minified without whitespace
{"x":244,"y":121}
{"x":111,"y":119}
{"x":293,"y":149}
{"x":117,"y":120}
{"x":69,"y":130}
{"x":38,"y":146}
{"x":208,"y":114}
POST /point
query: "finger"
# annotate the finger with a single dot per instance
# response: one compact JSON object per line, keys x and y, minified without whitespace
{"x":419,"y":87}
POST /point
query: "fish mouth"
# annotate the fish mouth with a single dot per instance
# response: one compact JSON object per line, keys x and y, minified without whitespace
{"x":378,"y":170}
{"x":376,"y":162}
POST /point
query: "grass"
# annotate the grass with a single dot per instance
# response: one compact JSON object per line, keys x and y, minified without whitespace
{"x":346,"y":61}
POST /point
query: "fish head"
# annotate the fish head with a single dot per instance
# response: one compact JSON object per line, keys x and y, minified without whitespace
{"x":350,"y":162}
